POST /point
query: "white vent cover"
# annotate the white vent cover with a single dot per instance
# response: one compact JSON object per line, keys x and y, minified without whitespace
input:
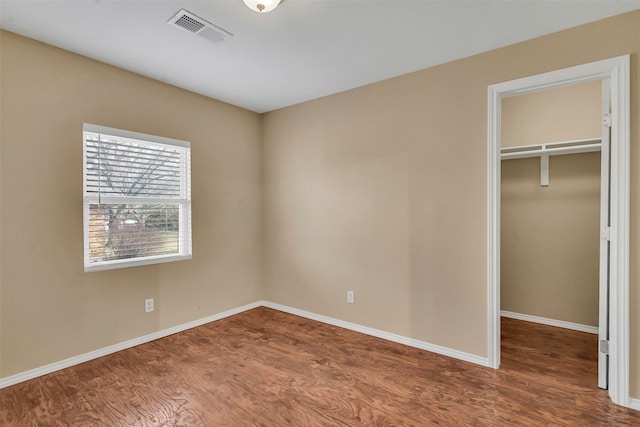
{"x":187,"y":21}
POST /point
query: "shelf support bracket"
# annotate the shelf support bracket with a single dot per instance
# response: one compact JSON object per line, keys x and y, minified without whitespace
{"x":544,"y":170}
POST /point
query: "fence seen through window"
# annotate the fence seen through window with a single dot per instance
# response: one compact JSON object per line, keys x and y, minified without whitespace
{"x":137,"y":199}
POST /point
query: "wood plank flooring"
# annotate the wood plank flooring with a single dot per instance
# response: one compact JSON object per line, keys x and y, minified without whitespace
{"x":267,"y":368}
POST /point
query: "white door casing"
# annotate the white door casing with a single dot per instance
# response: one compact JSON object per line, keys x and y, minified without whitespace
{"x":605,"y":232}
{"x":616,"y":71}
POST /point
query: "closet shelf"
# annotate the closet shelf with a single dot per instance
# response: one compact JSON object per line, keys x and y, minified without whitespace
{"x":550,"y":149}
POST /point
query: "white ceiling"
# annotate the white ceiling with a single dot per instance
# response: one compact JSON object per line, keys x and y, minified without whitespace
{"x":303,"y":50}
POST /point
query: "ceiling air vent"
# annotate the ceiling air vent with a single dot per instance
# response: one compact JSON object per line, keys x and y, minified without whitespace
{"x":187,"y":21}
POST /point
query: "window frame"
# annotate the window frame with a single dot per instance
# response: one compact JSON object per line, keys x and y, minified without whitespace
{"x":184,"y":202}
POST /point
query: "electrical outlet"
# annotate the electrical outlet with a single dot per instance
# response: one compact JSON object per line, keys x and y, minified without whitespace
{"x":148,"y":305}
{"x":350,"y":297}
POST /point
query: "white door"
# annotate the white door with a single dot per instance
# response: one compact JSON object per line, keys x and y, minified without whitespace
{"x":605,"y":223}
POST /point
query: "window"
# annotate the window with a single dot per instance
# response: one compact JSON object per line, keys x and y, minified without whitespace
{"x":137,"y":199}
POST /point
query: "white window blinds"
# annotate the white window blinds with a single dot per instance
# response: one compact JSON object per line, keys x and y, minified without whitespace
{"x":137,"y":199}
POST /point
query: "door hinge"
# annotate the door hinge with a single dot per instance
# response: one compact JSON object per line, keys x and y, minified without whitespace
{"x":605,"y":233}
{"x":604,"y":346}
{"x":606,"y":120}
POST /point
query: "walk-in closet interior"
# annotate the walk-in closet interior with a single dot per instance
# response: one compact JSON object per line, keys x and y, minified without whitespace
{"x":550,"y":205}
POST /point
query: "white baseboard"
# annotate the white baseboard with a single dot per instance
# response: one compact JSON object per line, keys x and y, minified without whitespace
{"x":66,"y":363}
{"x":634,"y":403}
{"x":445,"y":351}
{"x":56,"y":366}
{"x":550,"y":322}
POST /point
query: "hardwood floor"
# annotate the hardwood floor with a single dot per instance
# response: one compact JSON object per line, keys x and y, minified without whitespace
{"x":267,"y":368}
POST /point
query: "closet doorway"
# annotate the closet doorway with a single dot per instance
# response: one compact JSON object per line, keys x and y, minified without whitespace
{"x":554,"y":200}
{"x":613,"y":317}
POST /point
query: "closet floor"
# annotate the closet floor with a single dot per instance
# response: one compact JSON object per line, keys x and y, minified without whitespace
{"x":267,"y":368}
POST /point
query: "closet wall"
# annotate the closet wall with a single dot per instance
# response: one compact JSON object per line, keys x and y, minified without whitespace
{"x":549,"y":235}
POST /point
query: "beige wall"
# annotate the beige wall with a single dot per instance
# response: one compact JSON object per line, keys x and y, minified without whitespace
{"x":556,"y":115}
{"x":549,"y":238}
{"x":383,"y":190}
{"x":51,"y":309}
{"x":549,"y":235}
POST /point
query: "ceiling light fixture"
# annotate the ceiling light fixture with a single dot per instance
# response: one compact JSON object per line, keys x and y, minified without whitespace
{"x":262,"y":6}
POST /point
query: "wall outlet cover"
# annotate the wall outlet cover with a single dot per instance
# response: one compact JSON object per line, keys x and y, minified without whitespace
{"x":350,"y":297}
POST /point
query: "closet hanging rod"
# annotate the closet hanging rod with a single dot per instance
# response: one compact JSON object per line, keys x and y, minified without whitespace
{"x":551,"y":149}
